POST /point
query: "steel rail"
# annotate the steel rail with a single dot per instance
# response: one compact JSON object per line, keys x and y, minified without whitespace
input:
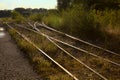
{"x":49,"y":38}
{"x":28,"y":40}
{"x":38,"y":32}
{"x":74,"y":38}
{"x":82,"y":50}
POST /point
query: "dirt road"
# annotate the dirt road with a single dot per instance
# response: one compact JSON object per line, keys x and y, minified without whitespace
{"x":13,"y":64}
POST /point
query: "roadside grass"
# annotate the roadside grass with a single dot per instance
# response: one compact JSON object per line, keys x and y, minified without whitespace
{"x":45,"y":68}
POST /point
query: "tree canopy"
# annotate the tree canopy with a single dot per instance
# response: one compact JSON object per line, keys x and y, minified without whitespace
{"x":97,"y":4}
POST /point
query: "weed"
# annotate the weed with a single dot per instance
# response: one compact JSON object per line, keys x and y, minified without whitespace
{"x":42,"y":65}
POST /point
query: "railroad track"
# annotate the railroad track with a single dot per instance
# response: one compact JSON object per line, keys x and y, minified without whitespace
{"x":88,"y":73}
{"x":74,"y":38}
{"x":29,"y":41}
{"x":80,"y":43}
{"x":54,"y":41}
{"x":82,"y":50}
{"x":70,"y":46}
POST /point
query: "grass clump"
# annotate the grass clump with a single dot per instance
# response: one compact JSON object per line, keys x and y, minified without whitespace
{"x":50,"y":48}
{"x":62,"y":77}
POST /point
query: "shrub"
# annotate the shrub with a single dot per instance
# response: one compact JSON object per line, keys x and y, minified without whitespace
{"x":80,"y":22}
{"x":53,"y":20}
{"x":17,"y":17}
{"x":94,"y":25}
{"x":36,"y":17}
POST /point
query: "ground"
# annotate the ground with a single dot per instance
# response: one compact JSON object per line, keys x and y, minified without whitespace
{"x":13,"y":64}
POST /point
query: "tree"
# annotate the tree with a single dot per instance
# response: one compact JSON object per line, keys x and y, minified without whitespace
{"x":63,"y":4}
{"x":20,"y":10}
{"x":17,"y":17}
{"x":5,"y":13}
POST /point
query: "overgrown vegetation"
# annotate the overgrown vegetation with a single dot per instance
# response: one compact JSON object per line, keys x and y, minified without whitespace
{"x":36,"y":17}
{"x":90,"y":20}
{"x":96,"y":21}
{"x":96,"y":25}
{"x":17,"y":17}
{"x":45,"y":68}
{"x":82,"y":23}
{"x":53,"y":20}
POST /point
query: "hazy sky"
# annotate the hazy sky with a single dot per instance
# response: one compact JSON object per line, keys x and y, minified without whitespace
{"x":11,"y":4}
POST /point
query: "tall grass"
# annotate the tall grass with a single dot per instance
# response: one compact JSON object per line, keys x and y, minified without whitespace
{"x":109,"y":20}
{"x":94,"y":25}
{"x":80,"y":22}
{"x":45,"y":68}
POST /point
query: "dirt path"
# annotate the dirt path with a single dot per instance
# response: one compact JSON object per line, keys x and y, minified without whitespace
{"x":13,"y":65}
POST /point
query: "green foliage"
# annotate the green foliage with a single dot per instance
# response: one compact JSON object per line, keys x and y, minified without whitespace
{"x":109,"y":20}
{"x":63,"y":4}
{"x":36,"y":17}
{"x":53,"y":20}
{"x":88,"y":4}
{"x":17,"y":17}
{"x":107,"y":17}
{"x":79,"y":22}
{"x":89,"y":24}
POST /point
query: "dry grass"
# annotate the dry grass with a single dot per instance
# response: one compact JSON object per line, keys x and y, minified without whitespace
{"x":45,"y":68}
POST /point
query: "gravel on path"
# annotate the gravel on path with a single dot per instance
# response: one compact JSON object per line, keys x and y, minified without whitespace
{"x":13,"y":64}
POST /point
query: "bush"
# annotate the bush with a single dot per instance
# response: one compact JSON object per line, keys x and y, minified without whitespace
{"x":102,"y":27}
{"x":107,"y":17}
{"x":36,"y":17}
{"x":79,"y":22}
{"x":17,"y":17}
{"x":53,"y":20}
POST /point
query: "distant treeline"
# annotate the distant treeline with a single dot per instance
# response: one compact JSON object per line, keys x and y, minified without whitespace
{"x":5,"y":13}
{"x":66,"y":4}
{"x":23,"y":11}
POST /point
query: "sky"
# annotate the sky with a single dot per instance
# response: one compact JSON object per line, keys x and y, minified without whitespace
{"x":11,"y":4}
